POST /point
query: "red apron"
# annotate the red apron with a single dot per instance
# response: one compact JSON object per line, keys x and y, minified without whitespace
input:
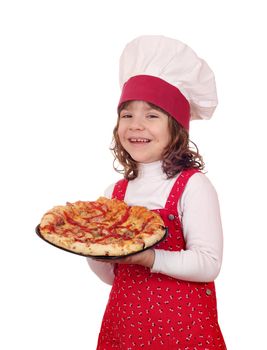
{"x":154,"y":311}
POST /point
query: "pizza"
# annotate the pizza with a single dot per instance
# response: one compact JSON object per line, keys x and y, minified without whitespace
{"x":105,"y":227}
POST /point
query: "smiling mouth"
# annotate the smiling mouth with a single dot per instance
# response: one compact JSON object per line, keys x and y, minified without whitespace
{"x":139,"y":140}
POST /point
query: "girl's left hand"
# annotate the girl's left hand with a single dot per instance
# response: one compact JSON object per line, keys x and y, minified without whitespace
{"x":145,"y":258}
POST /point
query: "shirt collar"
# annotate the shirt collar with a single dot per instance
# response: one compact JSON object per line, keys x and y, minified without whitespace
{"x":151,"y":170}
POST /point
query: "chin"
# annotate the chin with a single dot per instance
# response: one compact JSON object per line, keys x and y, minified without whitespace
{"x":143,"y":160}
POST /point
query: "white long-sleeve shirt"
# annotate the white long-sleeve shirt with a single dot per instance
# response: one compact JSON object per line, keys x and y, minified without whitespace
{"x":199,"y":212}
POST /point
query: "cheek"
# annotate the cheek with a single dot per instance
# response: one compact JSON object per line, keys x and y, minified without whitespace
{"x":163,"y":135}
{"x":120,"y":133}
{"x":165,"y":140}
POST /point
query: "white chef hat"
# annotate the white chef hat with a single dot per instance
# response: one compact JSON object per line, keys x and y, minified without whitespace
{"x":169,"y":74}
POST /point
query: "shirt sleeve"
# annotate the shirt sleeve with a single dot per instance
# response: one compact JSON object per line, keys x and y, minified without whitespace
{"x":201,"y":259}
{"x":109,"y":190}
{"x":104,"y":270}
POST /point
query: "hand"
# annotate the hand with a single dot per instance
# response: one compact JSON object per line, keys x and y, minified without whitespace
{"x":145,"y":258}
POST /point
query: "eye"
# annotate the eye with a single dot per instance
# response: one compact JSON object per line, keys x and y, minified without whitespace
{"x":125,"y":116}
{"x":152,"y":116}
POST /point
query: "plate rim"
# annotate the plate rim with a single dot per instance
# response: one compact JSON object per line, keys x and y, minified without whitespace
{"x":101,"y":257}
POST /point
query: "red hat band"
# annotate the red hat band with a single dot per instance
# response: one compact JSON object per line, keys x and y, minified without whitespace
{"x":157,"y":91}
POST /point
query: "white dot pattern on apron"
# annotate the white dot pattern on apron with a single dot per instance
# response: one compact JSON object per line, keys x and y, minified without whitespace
{"x":154,"y":311}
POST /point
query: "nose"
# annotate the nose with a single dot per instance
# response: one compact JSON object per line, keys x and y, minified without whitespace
{"x":136,"y":124}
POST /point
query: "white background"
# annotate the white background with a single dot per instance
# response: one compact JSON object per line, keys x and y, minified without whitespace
{"x":59,"y":89}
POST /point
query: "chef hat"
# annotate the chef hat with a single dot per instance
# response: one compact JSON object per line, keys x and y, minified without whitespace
{"x":169,"y":74}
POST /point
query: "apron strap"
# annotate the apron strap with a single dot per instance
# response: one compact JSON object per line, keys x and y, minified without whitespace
{"x":174,"y":196}
{"x":178,"y":188}
{"x":120,"y":189}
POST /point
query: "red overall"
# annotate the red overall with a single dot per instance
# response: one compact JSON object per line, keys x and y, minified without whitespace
{"x":154,"y":311}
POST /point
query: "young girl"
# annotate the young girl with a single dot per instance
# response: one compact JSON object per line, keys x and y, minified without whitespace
{"x":164,"y":297}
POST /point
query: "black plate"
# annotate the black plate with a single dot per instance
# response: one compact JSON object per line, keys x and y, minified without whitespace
{"x":106,"y":257}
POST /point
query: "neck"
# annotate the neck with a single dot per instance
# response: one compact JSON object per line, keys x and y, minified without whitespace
{"x":153,"y":169}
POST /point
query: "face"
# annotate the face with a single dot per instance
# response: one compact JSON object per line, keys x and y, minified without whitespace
{"x":143,"y":131}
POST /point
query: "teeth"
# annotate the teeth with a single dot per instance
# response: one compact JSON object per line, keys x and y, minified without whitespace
{"x":139,"y":140}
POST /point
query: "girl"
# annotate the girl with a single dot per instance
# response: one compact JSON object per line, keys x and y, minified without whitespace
{"x":164,"y":297}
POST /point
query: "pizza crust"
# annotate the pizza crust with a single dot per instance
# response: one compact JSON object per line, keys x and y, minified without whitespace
{"x":96,"y":249}
{"x":151,"y":240}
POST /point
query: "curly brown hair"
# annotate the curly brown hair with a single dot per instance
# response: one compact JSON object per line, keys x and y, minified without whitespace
{"x":177,"y":155}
